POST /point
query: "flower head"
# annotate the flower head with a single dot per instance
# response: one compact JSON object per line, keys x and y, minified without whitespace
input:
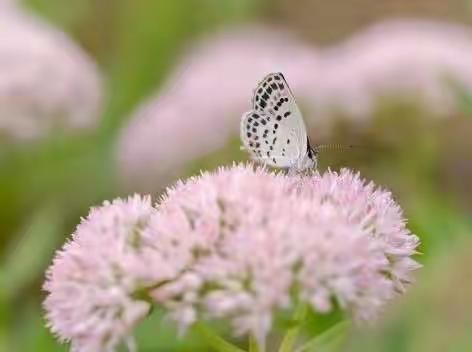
{"x":46,"y":81}
{"x":255,"y":236}
{"x":373,"y":64}
{"x":238,"y":244}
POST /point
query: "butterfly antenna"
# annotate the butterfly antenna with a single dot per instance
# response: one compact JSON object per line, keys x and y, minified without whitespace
{"x":335,"y":147}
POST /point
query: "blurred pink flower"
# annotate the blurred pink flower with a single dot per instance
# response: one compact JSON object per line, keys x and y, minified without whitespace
{"x":46,"y":81}
{"x":198,"y":110}
{"x":94,"y":282}
{"x":255,"y":235}
{"x":417,"y":60}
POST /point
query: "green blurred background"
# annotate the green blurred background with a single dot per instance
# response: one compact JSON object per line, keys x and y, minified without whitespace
{"x":48,"y":184}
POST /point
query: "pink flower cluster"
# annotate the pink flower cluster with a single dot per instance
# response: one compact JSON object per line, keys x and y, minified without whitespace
{"x":47,"y":82}
{"x":231,"y":245}
{"x":418,"y":60}
{"x":198,"y":111}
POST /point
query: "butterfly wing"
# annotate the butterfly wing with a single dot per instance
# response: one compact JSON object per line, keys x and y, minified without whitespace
{"x":268,"y":140}
{"x":275,"y":127}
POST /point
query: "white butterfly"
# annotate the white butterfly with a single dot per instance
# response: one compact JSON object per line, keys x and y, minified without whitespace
{"x":274,"y":132}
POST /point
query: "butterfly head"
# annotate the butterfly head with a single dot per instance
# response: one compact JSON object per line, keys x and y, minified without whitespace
{"x":309,"y":160}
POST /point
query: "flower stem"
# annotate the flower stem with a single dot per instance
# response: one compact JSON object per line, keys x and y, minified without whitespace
{"x":215,"y":341}
{"x":290,"y":337}
{"x":254,"y":345}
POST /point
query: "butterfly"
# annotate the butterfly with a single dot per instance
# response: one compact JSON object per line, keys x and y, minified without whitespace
{"x":273,"y":131}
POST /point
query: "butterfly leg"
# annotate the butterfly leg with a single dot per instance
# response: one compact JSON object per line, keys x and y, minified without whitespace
{"x":292,"y":171}
{"x":295,"y":165}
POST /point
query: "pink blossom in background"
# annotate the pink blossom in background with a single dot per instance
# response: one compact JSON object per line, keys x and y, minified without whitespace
{"x":230,"y":245}
{"x":414,"y":59}
{"x":47,"y":82}
{"x":199,"y":109}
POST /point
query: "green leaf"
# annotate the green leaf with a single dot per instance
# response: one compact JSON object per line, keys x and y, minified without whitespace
{"x":27,"y":258}
{"x":30,"y":334}
{"x":215,"y":341}
{"x":329,"y":341}
{"x":290,"y":337}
